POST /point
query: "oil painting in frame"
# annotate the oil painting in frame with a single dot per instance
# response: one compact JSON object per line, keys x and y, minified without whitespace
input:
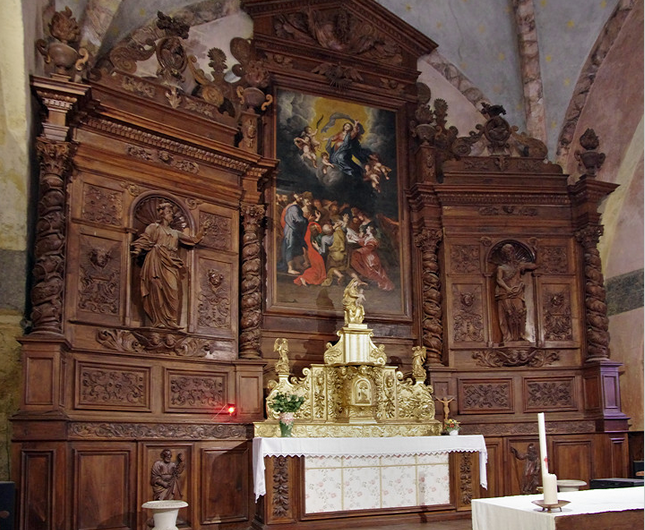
{"x":337,"y":212}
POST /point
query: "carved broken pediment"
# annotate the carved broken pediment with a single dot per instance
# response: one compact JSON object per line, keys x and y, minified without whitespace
{"x":338,"y":30}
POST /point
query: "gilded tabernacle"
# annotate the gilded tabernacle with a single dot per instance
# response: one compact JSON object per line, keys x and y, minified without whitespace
{"x":354,"y":393}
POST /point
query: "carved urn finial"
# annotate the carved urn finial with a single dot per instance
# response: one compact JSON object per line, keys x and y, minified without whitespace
{"x":496,"y":129}
{"x":64,"y":54}
{"x":590,"y":160}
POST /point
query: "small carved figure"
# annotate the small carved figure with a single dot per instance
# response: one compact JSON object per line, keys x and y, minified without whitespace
{"x":162,"y":267}
{"x":418,"y":358}
{"x":446,"y":406}
{"x":281,"y":347}
{"x":353,"y":298}
{"x":509,"y":293}
{"x":531,"y":468}
{"x":164,"y":476}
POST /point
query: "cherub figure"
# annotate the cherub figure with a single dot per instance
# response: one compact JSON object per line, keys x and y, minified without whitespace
{"x":375,"y":170}
{"x":281,"y":347}
{"x":326,"y":164}
{"x":308,"y":145}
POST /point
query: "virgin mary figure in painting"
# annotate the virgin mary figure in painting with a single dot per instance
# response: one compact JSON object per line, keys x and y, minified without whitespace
{"x":344,"y":146}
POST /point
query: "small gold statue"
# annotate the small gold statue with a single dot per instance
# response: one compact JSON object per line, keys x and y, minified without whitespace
{"x":418,"y":358}
{"x":281,"y":346}
{"x":353,"y":298}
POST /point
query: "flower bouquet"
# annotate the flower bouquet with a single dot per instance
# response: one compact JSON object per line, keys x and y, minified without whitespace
{"x":451,"y":426}
{"x":286,"y":405}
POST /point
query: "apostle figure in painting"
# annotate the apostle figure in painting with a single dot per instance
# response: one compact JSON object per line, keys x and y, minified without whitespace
{"x":316,"y":273}
{"x":294,"y":226}
{"x":509,"y":293}
{"x":164,"y":476}
{"x":162,"y":268}
{"x":365,"y":260}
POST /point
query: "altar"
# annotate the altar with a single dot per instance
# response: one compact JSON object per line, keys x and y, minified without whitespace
{"x":617,"y":508}
{"x":345,"y":474}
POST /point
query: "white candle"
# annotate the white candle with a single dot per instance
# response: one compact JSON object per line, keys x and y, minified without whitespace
{"x":550,"y":487}
{"x":544,"y":460}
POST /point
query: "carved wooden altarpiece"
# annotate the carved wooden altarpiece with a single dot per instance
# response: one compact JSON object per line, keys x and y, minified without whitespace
{"x":125,"y":382}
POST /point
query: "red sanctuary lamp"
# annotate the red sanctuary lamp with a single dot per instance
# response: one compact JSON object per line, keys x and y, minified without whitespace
{"x":228,"y":408}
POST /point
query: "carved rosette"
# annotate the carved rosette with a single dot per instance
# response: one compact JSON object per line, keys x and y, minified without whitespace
{"x":595,"y":296}
{"x":428,"y":241}
{"x":49,"y":269}
{"x":251,"y":283}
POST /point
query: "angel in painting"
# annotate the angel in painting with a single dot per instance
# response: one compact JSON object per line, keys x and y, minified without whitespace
{"x":308,"y":145}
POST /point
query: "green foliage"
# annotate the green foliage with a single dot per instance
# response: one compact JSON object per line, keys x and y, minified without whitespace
{"x":284,"y":402}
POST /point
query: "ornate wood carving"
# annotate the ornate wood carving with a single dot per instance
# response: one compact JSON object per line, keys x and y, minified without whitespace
{"x":596,"y":308}
{"x":486,"y":397}
{"x":338,"y":30}
{"x":498,"y":357}
{"x":464,"y":259}
{"x":214,"y":304}
{"x":553,"y":259}
{"x":512,"y":260}
{"x":556,"y":306}
{"x":120,"y":387}
{"x":217,"y":231}
{"x":468,"y":322}
{"x":531,"y":471}
{"x":99,"y":277}
{"x":162,"y":157}
{"x":466,"y":478}
{"x":428,"y":240}
{"x":164,"y":431}
{"x":516,"y":429}
{"x":102,"y":205}
{"x":157,"y":342}
{"x":508,"y":210}
{"x":251,"y":282}
{"x":165,"y":476}
{"x":47,"y":294}
{"x":550,"y":394}
{"x":193,"y":392}
{"x":281,"y":505}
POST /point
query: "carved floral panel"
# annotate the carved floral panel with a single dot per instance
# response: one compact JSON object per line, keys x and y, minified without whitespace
{"x":217,"y":230}
{"x":485,"y":396}
{"x":190,"y":392}
{"x":549,"y":394}
{"x":464,"y":259}
{"x":110,"y":387}
{"x":102,"y":205}
{"x":553,"y":259}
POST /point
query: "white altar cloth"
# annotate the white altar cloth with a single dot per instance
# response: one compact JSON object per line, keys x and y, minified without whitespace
{"x":385,"y":446}
{"x":519,"y":511}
